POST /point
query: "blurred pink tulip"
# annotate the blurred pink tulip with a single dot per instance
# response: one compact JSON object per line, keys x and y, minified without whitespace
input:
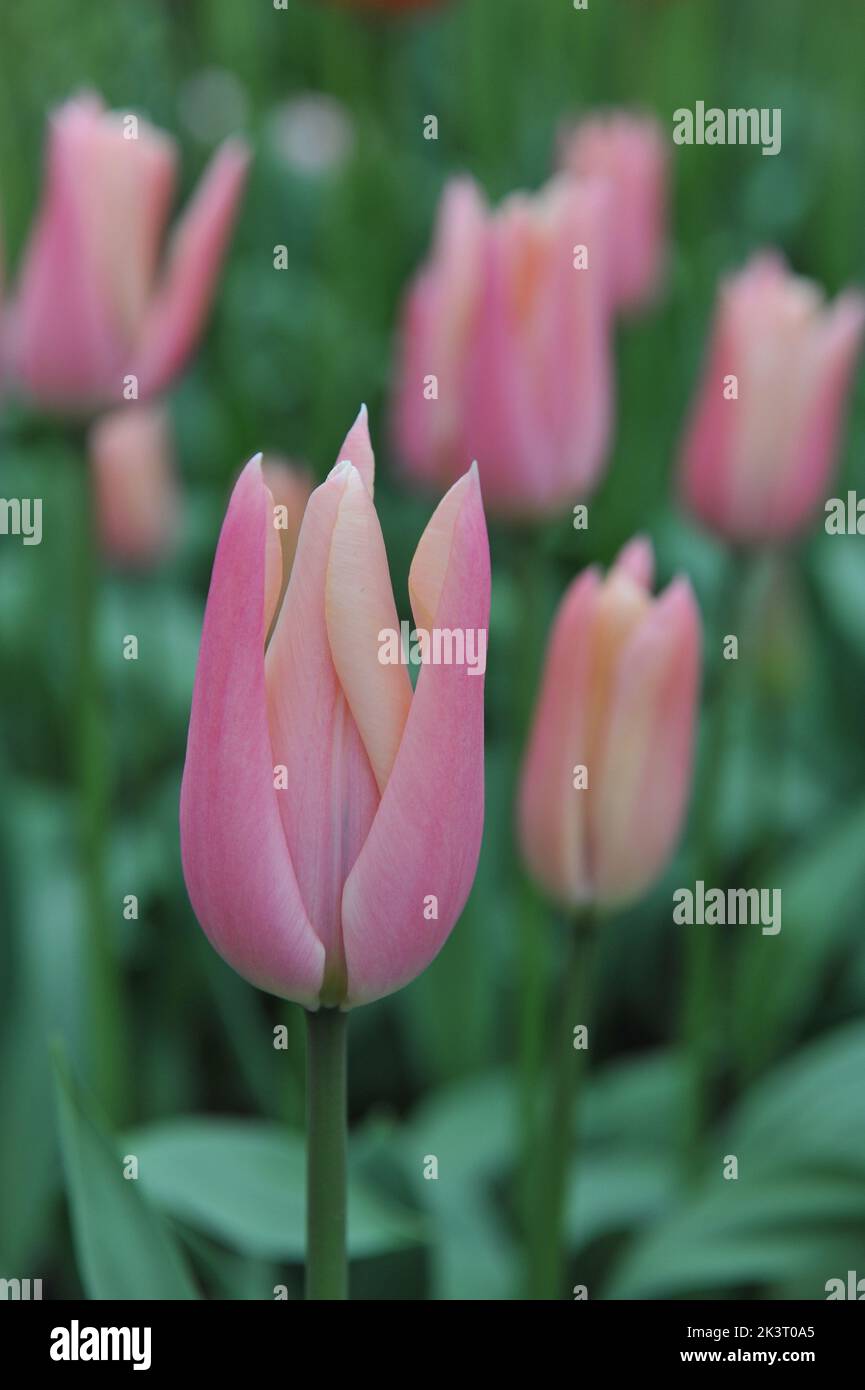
{"x":762,"y":440}
{"x":137,"y":502}
{"x":505,"y":348}
{"x":331,"y":819}
{"x":618,"y":698}
{"x":93,"y":307}
{"x":633,"y":154}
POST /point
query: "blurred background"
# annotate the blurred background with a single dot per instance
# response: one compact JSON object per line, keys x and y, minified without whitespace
{"x":333,"y":102}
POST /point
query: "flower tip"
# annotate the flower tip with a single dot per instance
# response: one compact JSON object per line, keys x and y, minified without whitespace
{"x":236,"y":147}
{"x":340,"y":468}
{"x":679,"y":598}
{"x":637,"y":560}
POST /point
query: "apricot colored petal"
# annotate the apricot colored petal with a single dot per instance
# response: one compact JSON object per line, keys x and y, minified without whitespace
{"x":647,"y":753}
{"x":330,"y":796}
{"x":359,"y":606}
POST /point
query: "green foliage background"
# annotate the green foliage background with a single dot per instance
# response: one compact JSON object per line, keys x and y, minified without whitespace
{"x":215,"y":1114}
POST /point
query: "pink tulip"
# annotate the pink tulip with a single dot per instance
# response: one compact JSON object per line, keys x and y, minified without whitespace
{"x":618,"y":699}
{"x":94,"y":307}
{"x":632,"y":153}
{"x":762,"y":441}
{"x":135,"y":487}
{"x":331,"y":819}
{"x":505,"y":348}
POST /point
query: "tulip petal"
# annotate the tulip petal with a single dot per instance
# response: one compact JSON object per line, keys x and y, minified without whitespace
{"x":237,"y":866}
{"x":357,"y":450}
{"x":632,"y":153}
{"x":177,"y":313}
{"x":553,"y":813}
{"x":331,"y":794}
{"x":289,"y":488}
{"x":135,"y":487}
{"x":425,"y":838}
{"x":637,"y":560}
{"x":416,"y":424}
{"x":710,"y":432}
{"x":359,"y":606}
{"x":494,"y":422}
{"x":838,"y":344}
{"x":437,"y":318}
{"x":430,"y":562}
{"x":647,"y":746}
{"x":124,"y":180}
{"x":573,"y":326}
{"x":64,"y":344}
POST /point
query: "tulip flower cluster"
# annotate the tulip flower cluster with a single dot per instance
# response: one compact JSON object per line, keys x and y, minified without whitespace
{"x":505,"y":355}
{"x":331,"y":814}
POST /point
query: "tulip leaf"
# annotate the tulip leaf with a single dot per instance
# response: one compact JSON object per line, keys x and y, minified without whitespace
{"x":795,"y":1215}
{"x":468,"y":1125}
{"x":777,"y":984}
{"x":635,"y":1102}
{"x":124,"y":1248}
{"x":43,"y":976}
{"x":617,"y":1191}
{"x":839,"y":572}
{"x":625,"y":1173}
{"x":244,"y":1183}
{"x":468,"y":1128}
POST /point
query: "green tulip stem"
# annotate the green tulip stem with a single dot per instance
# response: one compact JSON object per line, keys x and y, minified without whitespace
{"x":106,"y":1042}
{"x":326,"y":1138}
{"x":702,"y":1002}
{"x":560,"y":1131}
{"x":533,"y":937}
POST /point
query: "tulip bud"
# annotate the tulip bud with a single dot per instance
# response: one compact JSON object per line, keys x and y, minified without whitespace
{"x":608,"y":767}
{"x":632,"y":154}
{"x":330,"y":817}
{"x":505,"y":348}
{"x":134,"y":484}
{"x":762,"y":440}
{"x":95,"y":322}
